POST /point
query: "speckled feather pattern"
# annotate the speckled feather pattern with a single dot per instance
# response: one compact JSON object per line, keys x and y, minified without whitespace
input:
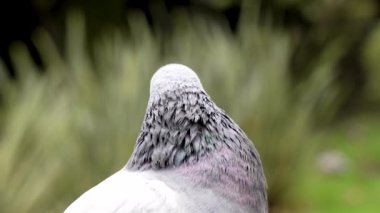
{"x":178,"y":129}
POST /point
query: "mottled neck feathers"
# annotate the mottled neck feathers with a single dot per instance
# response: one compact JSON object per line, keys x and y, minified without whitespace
{"x":179,"y":127}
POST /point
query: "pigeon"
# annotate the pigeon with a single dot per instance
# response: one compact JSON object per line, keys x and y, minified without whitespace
{"x":189,"y":156}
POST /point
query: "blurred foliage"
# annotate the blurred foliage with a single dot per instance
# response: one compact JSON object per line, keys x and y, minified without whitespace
{"x":65,"y":130}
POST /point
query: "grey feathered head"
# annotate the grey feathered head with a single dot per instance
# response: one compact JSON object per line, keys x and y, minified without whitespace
{"x":179,"y":121}
{"x":173,"y":77}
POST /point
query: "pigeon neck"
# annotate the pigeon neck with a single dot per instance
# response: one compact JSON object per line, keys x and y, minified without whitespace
{"x":179,"y":127}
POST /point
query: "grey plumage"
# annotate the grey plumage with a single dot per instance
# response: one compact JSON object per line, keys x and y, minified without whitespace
{"x":191,"y":146}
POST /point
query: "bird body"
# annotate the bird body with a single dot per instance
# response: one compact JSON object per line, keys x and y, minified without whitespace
{"x":162,"y":192}
{"x":189,"y":157}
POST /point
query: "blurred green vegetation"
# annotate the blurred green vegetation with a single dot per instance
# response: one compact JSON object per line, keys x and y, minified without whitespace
{"x":65,"y":130}
{"x":356,"y":189}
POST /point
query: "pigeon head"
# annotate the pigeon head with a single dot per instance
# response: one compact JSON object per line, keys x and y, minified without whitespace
{"x":179,"y":121}
{"x":173,"y":77}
